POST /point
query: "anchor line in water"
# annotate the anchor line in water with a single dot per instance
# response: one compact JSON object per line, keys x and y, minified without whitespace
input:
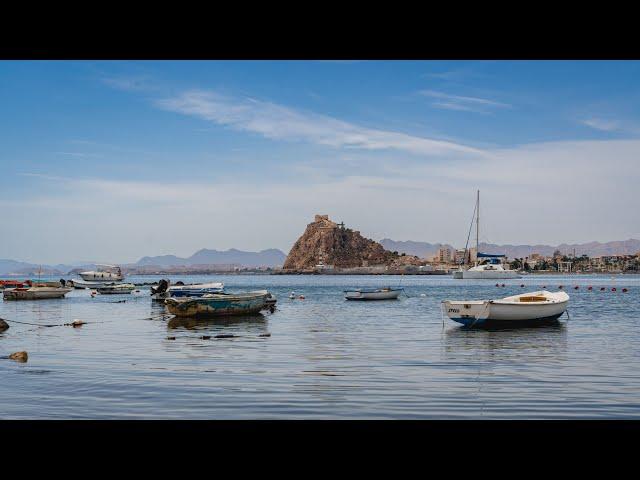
{"x":47,"y":325}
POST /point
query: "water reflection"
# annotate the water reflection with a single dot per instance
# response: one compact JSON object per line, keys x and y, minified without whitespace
{"x":254,"y":324}
{"x":537,"y":342}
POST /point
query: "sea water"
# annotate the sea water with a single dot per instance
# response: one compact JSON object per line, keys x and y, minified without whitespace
{"x":322,"y":357}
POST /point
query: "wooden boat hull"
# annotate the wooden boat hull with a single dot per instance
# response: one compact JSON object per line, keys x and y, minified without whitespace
{"x":218,"y":305}
{"x":44,"y":293}
{"x":383,"y":294}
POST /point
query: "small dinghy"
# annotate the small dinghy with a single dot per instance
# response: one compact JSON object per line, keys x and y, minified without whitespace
{"x":116,"y":288}
{"x":36,"y":291}
{"x":219,"y":304}
{"x":526,"y":309}
{"x":373,"y":293}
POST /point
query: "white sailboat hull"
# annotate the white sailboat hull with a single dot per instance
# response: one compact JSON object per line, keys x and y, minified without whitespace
{"x":488,"y":274}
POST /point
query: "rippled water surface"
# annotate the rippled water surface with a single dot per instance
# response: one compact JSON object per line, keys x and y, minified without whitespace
{"x":324,"y":357}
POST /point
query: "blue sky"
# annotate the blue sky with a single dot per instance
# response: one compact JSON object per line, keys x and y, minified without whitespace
{"x":115,"y":160}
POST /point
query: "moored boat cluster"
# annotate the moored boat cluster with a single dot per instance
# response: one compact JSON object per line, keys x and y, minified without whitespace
{"x":211,"y":300}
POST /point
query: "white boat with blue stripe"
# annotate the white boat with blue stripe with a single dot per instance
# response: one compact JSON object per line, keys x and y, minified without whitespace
{"x":527,"y":309}
{"x":164,"y":291}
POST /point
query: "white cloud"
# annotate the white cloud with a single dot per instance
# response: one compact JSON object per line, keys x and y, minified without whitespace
{"x":463,"y":103}
{"x":538,"y":193}
{"x":283,"y":123}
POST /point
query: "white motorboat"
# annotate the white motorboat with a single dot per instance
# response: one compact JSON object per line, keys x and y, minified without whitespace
{"x":372,"y":293}
{"x":108,"y":273}
{"x":116,"y":288}
{"x":492,"y":269}
{"x":526,"y":309}
{"x":80,"y":284}
{"x":37,"y":291}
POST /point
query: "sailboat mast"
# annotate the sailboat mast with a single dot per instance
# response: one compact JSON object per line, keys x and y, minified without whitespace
{"x":477,"y":225}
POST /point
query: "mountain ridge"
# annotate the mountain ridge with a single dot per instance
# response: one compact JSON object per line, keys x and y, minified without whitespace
{"x":630,"y":246}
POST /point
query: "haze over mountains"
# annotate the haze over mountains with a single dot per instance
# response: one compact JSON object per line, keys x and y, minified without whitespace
{"x":275,"y":258}
{"x":271,"y":257}
{"x":592,"y":249}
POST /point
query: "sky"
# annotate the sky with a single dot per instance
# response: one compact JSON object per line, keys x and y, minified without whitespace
{"x":114,"y":160}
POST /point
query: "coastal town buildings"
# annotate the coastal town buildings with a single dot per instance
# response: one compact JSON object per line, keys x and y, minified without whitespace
{"x":443,"y":255}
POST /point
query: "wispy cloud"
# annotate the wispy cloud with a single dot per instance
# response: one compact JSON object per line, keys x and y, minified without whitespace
{"x":279,"y":122}
{"x":601,"y":124}
{"x":372,"y":200}
{"x":462,"y":103}
{"x":453,"y":75}
{"x":613,"y":126}
{"x":79,"y":154}
{"x":137,"y":83}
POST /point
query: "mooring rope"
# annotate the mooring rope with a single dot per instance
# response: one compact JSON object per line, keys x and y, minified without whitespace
{"x":46,"y":325}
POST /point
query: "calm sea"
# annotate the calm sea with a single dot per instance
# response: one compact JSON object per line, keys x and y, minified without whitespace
{"x":325,"y":357}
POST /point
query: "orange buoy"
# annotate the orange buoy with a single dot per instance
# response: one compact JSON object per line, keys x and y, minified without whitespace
{"x":576,"y":287}
{"x":613,"y":289}
{"x":497,"y":284}
{"x":301,"y":297}
{"x":589,"y":287}
{"x":522,"y":285}
{"x":503,"y":284}
{"x":625,"y":290}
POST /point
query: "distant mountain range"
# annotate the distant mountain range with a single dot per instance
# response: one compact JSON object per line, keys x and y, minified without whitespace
{"x":271,"y":257}
{"x":592,"y":249}
{"x":275,"y":258}
{"x":32,"y":269}
{"x":266,"y":258}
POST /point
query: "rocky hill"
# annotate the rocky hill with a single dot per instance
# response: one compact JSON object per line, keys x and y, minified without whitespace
{"x":326,"y":242}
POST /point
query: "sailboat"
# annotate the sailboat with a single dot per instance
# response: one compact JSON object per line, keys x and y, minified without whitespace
{"x":493,"y":268}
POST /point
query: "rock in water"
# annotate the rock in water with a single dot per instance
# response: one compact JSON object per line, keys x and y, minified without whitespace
{"x":328,"y":243}
{"x":3,"y":325}
{"x":19,"y":356}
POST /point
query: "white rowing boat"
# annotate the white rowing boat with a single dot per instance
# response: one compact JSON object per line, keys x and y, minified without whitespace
{"x":372,"y":294}
{"x":526,"y":309}
{"x":116,"y":288}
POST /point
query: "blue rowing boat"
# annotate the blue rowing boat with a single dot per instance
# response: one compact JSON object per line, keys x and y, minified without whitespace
{"x":219,"y":304}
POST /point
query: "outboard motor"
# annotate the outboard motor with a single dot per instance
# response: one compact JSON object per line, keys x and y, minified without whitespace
{"x":63,"y":282}
{"x":163,"y":286}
